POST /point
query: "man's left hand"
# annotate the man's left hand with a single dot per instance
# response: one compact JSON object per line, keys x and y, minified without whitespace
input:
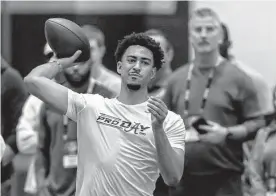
{"x":158,"y":110}
{"x":216,"y":133}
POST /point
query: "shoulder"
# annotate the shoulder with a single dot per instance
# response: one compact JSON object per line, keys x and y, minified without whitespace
{"x":13,"y":75}
{"x":12,"y":79}
{"x":33,"y":101}
{"x":247,"y":75}
{"x":32,"y":106}
{"x":93,"y":100}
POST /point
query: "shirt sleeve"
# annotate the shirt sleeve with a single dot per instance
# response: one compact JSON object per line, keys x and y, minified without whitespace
{"x":175,"y":130}
{"x":76,"y":103}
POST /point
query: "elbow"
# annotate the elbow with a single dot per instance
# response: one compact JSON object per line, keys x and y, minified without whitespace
{"x":173,"y":181}
{"x":29,"y":82}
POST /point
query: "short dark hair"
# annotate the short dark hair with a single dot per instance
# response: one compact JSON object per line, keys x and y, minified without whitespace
{"x":93,"y":32}
{"x":144,"y":40}
{"x":157,"y":32}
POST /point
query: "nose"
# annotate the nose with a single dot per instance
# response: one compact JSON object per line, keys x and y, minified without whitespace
{"x":203,"y":33}
{"x":75,"y":68}
{"x":137,"y":65}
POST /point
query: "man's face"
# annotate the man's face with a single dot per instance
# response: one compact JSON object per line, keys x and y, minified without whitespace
{"x":78,"y":73}
{"x":137,"y":66}
{"x":205,"y":34}
{"x":96,"y":51}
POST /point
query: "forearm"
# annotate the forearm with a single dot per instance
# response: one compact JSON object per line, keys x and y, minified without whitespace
{"x":170,"y":164}
{"x":246,"y":131}
{"x":47,"y":70}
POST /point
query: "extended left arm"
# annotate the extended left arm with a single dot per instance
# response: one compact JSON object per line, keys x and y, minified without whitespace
{"x":170,"y":160}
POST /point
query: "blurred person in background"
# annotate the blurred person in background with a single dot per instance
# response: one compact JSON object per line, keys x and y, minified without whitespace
{"x":2,"y":147}
{"x":262,"y":162}
{"x":225,"y":52}
{"x":158,"y":85}
{"x":27,"y":133}
{"x":56,"y":158}
{"x":13,"y":96}
{"x":28,"y":123}
{"x":233,"y":100}
{"x":99,"y":72}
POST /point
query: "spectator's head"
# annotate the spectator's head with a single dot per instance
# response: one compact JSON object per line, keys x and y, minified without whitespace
{"x":97,"y":43}
{"x":138,"y":57}
{"x":165,"y":44}
{"x":78,"y":75}
{"x":205,"y":30}
{"x":226,"y":42}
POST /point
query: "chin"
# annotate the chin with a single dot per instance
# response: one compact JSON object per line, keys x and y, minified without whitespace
{"x":134,"y":86}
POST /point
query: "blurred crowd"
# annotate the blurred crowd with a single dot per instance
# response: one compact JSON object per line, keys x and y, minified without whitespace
{"x":214,"y":85}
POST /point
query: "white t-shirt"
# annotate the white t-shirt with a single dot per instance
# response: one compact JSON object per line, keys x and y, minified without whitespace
{"x":116,"y":148}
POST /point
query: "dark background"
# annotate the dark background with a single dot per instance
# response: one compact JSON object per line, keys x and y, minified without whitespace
{"x":27,"y":34}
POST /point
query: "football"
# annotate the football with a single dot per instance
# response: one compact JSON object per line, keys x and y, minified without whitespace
{"x":65,"y":38}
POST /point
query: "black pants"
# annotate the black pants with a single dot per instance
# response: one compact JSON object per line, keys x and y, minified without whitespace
{"x":225,"y":184}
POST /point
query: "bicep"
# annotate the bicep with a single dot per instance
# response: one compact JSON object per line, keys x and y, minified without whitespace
{"x":49,"y":92}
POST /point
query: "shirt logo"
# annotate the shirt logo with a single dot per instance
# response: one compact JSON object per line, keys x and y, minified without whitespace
{"x":126,"y":126}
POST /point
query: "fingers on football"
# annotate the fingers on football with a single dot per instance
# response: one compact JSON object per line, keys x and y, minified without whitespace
{"x":75,"y":55}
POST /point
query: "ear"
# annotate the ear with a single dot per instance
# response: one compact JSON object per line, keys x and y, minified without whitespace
{"x":102,"y":49}
{"x":153,"y":73}
{"x":119,"y":67}
{"x":221,"y":35}
{"x":170,"y":55}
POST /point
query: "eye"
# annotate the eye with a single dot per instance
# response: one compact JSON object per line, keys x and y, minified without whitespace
{"x":131,"y":60}
{"x":197,"y":29}
{"x":146,"y":62}
{"x":209,"y":29}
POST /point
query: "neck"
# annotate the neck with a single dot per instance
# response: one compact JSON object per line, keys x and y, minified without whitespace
{"x":130,"y":97}
{"x":206,"y":60}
